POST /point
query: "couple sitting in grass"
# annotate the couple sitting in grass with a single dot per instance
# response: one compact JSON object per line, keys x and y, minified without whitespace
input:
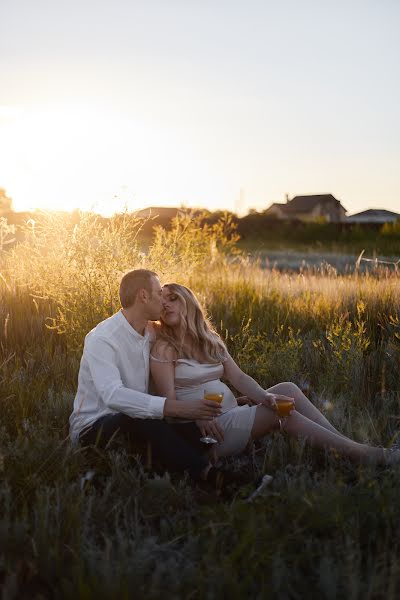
{"x":186,"y":359}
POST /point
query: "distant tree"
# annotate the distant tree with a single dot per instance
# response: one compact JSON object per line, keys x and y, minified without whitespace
{"x":5,"y":202}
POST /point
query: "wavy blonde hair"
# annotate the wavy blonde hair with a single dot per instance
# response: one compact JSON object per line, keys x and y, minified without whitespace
{"x":195,"y":325}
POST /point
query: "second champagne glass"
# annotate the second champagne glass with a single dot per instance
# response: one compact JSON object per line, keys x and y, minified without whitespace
{"x":284,"y":407}
{"x":215,"y":396}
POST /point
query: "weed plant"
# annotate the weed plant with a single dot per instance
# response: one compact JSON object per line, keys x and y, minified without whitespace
{"x":85,"y":523}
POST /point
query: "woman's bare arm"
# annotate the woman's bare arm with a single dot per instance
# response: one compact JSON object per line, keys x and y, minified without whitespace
{"x":162,"y":368}
{"x":248,"y":386}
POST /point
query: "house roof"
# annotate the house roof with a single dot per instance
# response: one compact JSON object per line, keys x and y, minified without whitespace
{"x":159,"y":211}
{"x":307,"y":203}
{"x":279,"y":204}
{"x":377,"y":215}
{"x":376,"y":212}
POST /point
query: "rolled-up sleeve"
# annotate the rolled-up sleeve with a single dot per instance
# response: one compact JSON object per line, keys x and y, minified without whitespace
{"x":102,"y":362}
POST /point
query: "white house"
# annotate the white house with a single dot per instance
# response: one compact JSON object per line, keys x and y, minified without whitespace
{"x":374,"y":215}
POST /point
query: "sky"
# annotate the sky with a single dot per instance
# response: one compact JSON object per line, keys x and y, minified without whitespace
{"x":224,"y":104}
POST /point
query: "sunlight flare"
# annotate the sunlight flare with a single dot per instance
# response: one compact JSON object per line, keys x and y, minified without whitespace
{"x":91,"y":159}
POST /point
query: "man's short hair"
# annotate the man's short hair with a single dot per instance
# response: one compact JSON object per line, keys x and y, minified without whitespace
{"x":132,"y":282}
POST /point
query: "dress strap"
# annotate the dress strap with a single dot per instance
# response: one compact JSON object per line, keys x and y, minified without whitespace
{"x":159,"y":360}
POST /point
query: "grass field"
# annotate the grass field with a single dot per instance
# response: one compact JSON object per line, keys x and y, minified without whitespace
{"x":94,"y":524}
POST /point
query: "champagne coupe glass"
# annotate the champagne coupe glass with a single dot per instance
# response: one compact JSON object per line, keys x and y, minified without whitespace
{"x":215,"y":396}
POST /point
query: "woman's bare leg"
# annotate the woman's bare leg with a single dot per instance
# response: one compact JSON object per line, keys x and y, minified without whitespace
{"x":300,"y":426}
{"x":303,"y":405}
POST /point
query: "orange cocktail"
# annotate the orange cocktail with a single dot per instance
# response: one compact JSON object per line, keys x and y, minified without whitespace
{"x":214,"y":396}
{"x":285,"y":407}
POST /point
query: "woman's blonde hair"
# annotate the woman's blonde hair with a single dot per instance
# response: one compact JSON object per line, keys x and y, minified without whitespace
{"x":195,"y":325}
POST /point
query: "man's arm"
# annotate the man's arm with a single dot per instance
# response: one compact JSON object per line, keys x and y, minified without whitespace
{"x":102,"y":362}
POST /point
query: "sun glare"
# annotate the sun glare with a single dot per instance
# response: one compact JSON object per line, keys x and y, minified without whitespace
{"x":65,"y":158}
{"x":62,"y":159}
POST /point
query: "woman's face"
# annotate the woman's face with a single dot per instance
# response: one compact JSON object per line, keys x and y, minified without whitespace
{"x":172,"y":308}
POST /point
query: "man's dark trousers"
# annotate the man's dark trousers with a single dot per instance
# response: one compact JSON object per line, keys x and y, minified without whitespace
{"x":176,"y":445}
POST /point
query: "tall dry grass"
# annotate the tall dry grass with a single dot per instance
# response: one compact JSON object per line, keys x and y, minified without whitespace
{"x":82,"y":524}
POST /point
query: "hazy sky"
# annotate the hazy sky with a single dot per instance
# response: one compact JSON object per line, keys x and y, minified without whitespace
{"x":151,"y":102}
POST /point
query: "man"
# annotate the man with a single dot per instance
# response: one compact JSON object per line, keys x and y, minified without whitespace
{"x":112,"y":395}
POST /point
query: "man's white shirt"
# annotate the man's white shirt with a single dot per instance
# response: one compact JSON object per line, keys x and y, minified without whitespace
{"x":114,"y":375}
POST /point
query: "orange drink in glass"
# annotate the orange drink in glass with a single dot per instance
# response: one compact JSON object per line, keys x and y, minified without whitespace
{"x":215,"y":396}
{"x":285,"y":407}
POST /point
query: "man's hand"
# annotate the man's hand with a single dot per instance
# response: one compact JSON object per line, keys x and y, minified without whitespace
{"x":211,"y":428}
{"x":193,"y":410}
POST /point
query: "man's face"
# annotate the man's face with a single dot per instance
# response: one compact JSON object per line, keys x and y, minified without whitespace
{"x":154,"y":304}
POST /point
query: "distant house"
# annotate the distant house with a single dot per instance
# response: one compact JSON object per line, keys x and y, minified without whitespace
{"x":163,"y":213}
{"x":309,"y":208}
{"x":158,"y":215}
{"x":374,"y":215}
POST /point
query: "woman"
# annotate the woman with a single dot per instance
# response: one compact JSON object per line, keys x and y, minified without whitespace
{"x":189,"y":357}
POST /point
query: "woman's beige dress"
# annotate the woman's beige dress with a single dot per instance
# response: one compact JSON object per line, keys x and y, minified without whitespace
{"x":192,"y":378}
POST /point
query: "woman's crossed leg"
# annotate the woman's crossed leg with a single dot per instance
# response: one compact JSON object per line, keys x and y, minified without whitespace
{"x":318,"y":435}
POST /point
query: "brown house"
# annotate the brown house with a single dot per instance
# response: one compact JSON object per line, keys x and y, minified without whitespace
{"x":158,"y":215}
{"x":159,"y":212}
{"x":309,"y":208}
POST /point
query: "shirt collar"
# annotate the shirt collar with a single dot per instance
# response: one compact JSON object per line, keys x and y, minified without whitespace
{"x":132,"y":330}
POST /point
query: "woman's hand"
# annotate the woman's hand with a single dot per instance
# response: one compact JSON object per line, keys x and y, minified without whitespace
{"x":211,"y":428}
{"x":247,"y":385}
{"x":270,"y":400}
